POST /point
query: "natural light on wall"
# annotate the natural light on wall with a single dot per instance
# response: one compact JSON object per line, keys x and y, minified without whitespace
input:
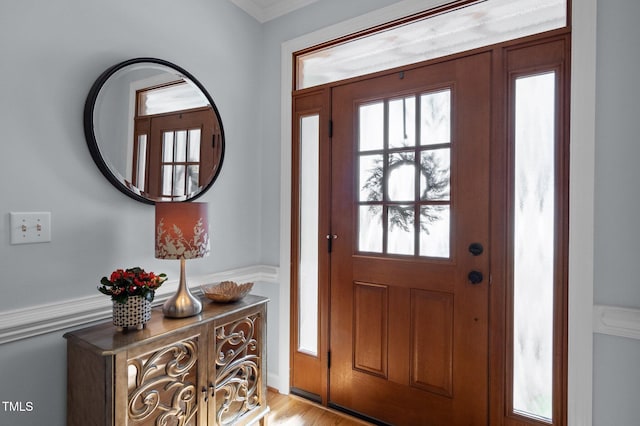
{"x":480,"y":24}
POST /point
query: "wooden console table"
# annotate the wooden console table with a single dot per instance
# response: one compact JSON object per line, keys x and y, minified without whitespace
{"x":209,"y":369}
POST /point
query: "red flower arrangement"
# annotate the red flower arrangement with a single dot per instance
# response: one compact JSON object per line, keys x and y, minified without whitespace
{"x":131,"y":282}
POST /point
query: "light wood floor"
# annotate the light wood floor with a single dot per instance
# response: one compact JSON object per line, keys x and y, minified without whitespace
{"x":291,"y":410}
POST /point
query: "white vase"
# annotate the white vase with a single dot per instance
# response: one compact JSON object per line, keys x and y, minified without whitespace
{"x":135,"y":312}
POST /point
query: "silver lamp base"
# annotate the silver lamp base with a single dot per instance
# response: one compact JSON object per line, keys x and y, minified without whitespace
{"x":182,"y":304}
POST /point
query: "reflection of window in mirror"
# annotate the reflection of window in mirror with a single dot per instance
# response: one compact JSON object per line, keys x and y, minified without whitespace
{"x":176,"y":136}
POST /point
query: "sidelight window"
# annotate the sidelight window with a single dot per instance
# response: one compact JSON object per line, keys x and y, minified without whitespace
{"x":533,"y":245}
{"x":309,"y":208}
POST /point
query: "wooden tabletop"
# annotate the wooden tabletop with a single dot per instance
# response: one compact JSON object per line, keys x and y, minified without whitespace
{"x":105,"y":339}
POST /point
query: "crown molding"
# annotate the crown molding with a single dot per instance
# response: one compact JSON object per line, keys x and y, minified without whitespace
{"x":32,"y":321}
{"x":263,"y":12}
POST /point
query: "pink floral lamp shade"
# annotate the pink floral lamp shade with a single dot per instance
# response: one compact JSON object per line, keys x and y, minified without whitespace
{"x":182,"y":233}
{"x":181,"y":230}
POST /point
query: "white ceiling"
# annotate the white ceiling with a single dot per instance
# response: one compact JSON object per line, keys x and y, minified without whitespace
{"x":266,"y":10}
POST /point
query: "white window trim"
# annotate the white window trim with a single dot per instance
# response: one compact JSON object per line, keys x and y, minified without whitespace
{"x":581,"y":190}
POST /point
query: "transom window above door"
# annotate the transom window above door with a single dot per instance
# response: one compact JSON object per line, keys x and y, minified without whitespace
{"x":466,"y":25}
{"x":404,"y":162}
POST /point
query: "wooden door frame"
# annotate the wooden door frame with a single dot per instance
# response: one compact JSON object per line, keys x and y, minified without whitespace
{"x":500,"y":215}
{"x":312,"y":102}
{"x":581,"y":245}
{"x":513,"y":62}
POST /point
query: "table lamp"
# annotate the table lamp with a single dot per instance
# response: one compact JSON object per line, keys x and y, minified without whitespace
{"x":182,"y":233}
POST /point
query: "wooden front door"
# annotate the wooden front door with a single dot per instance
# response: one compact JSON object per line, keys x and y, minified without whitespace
{"x":410,"y":253}
{"x":184,"y":150}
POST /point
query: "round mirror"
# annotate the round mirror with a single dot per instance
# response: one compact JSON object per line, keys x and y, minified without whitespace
{"x":154,"y":131}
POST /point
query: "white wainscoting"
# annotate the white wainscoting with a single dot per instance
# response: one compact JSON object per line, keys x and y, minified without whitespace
{"x":616,"y":321}
{"x":36,"y":320}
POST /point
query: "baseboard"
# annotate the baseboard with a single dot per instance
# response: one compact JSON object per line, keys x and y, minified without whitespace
{"x":616,"y":321}
{"x":41,"y":319}
{"x":273,"y":382}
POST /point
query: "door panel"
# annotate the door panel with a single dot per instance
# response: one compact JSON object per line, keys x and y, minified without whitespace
{"x":432,"y":341}
{"x":410,"y":193}
{"x":370,"y":307}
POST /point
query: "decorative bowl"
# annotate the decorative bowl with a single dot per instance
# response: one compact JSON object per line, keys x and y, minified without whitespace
{"x":226,"y":291}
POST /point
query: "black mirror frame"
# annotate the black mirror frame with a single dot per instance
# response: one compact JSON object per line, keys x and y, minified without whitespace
{"x":90,"y":135}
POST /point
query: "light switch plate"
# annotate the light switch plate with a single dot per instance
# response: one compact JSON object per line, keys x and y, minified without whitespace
{"x":31,"y":227}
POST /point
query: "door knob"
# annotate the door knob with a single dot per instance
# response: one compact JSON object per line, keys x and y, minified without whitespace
{"x":476,"y":249}
{"x":475,"y":277}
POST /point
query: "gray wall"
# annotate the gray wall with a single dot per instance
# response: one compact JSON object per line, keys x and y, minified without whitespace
{"x":616,"y":377}
{"x":51,"y":52}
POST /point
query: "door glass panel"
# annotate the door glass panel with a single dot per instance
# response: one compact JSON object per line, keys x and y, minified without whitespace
{"x":435,"y":170}
{"x":370,"y":177}
{"x":181,"y":146}
{"x":167,"y":180}
{"x":179,"y":179}
{"x":309,"y":207}
{"x":436,"y":118}
{"x":370,"y":229}
{"x":402,"y":122}
{"x":194,"y":145}
{"x":401,"y":179}
{"x":371,"y":130}
{"x":434,"y":231}
{"x":167,"y":147}
{"x":401,"y":230}
{"x":181,"y":163}
{"x":193,"y":181}
{"x":533,"y":271}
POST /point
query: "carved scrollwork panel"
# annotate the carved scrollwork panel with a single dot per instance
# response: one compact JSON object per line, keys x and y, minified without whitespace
{"x":162,"y":386}
{"x":237,"y":389}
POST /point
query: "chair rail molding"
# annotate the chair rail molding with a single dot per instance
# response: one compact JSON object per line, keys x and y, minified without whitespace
{"x":616,"y":321}
{"x":41,"y":319}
